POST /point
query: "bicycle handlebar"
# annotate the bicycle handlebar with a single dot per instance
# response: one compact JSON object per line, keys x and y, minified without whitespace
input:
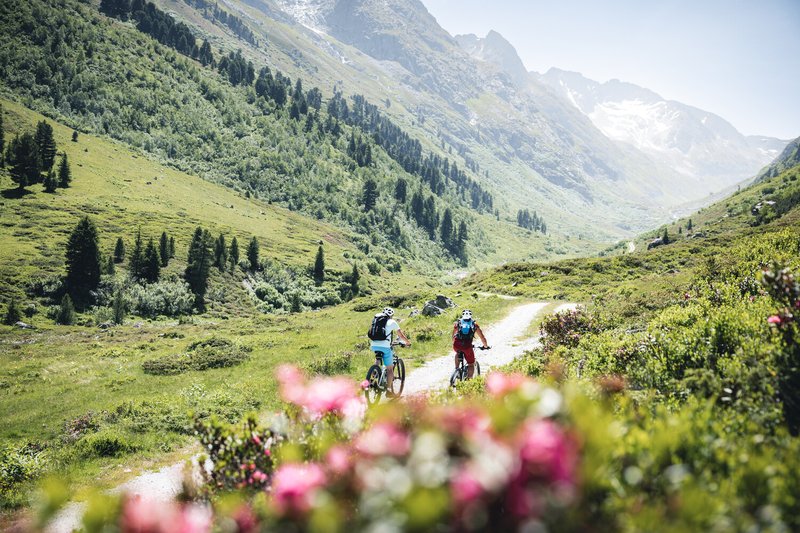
{"x":482,"y":347}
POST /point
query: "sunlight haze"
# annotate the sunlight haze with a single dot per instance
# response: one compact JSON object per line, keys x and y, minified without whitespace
{"x":736,"y":59}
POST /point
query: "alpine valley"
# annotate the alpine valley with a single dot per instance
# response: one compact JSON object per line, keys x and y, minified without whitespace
{"x":198,"y":193}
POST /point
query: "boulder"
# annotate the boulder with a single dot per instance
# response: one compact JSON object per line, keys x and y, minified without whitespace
{"x":23,"y":325}
{"x":655,"y":243}
{"x":414,"y":312}
{"x":430,"y":309}
{"x":443,"y":302}
{"x":105,"y":325}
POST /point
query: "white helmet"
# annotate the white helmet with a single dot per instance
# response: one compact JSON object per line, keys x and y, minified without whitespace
{"x":466,"y":315}
{"x":388,"y":311}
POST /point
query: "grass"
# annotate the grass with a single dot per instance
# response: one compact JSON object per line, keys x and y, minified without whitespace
{"x":87,"y":371}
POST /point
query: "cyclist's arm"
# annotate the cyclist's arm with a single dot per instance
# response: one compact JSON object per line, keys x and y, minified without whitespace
{"x":480,"y":334}
{"x":403,"y":337}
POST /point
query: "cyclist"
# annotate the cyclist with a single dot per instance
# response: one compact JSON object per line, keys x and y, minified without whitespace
{"x":463,"y":332}
{"x":383,"y":326}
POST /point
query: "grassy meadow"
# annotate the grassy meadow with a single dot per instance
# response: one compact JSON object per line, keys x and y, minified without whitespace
{"x":76,"y":401}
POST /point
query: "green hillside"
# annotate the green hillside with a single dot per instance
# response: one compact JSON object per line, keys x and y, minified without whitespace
{"x":694,"y":346}
{"x":98,"y":376}
{"x":228,"y":125}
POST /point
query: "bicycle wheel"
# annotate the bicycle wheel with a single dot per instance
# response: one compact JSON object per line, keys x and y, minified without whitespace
{"x":373,"y":392}
{"x":458,"y":375}
{"x":399,"y":376}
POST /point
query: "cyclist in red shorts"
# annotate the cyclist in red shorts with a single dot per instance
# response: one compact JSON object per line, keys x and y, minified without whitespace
{"x":463,"y":332}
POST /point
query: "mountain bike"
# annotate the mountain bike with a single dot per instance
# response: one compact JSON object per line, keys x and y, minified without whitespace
{"x":461,"y":373}
{"x":376,"y":377}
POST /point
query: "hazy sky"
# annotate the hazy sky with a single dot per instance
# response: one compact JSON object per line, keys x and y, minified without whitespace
{"x":739,"y":59}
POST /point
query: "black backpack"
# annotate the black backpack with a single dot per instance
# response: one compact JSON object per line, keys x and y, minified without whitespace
{"x":377,"y":331}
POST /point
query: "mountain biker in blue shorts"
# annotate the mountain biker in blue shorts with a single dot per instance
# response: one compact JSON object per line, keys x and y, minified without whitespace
{"x":381,"y":331}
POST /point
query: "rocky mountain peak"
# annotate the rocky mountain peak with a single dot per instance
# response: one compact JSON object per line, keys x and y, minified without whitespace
{"x":495,"y":49}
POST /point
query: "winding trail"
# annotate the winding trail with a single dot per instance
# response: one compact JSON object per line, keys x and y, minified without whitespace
{"x":507,"y":338}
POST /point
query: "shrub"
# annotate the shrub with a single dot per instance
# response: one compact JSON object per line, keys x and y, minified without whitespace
{"x":166,"y":297}
{"x":329,"y":365}
{"x":106,"y":443}
{"x":77,"y":427}
{"x":201,"y":355}
{"x":426,"y":332}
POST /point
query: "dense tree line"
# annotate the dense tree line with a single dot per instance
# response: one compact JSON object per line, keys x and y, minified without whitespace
{"x":235,"y":24}
{"x":530,"y":221}
{"x":407,"y":151}
{"x":237,"y":69}
{"x":159,"y":25}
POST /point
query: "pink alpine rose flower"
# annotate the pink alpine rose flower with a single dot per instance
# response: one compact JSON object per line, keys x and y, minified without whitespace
{"x":294,"y":485}
{"x":499,"y":384}
{"x":774,"y":319}
{"x":546,"y":450}
{"x":383,"y":439}
{"x":339,"y":460}
{"x":292,"y":384}
{"x":464,"y":488}
{"x":328,"y":395}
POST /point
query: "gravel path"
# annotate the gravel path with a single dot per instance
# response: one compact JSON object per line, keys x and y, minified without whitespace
{"x":505,"y":337}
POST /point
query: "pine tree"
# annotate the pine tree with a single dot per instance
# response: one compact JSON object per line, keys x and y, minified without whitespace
{"x":83,"y":262}
{"x":689,"y":225}
{"x":119,"y":251}
{"x":355,"y":276}
{"x":461,"y":242}
{"x":296,"y":304}
{"x":23,"y":160}
{"x":137,"y":257}
{"x":46,"y":143}
{"x":446,"y":230}
{"x":118,"y":308}
{"x":665,"y":236}
{"x":110,"y":269}
{"x":66,"y":312}
{"x":220,"y":253}
{"x":370,"y":194}
{"x":50,"y":182}
{"x":233,"y":255}
{"x":319,"y":266}
{"x":74,"y":136}
{"x":64,"y":172}
{"x":252,"y":254}
{"x":171,"y":247}
{"x":151,"y":266}
{"x":13,"y":314}
{"x":199,"y":265}
{"x":163,"y":249}
{"x":400,"y":190}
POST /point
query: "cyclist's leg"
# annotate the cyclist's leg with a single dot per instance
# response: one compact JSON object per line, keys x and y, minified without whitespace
{"x":388,"y":362}
{"x":469,"y":355}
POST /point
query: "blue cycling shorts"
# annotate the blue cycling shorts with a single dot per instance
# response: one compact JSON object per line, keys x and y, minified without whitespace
{"x":388,"y":355}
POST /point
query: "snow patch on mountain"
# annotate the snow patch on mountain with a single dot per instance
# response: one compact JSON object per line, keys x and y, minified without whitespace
{"x":309,"y":13}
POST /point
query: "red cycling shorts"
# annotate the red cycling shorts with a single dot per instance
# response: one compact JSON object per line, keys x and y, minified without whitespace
{"x":466,"y":347}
